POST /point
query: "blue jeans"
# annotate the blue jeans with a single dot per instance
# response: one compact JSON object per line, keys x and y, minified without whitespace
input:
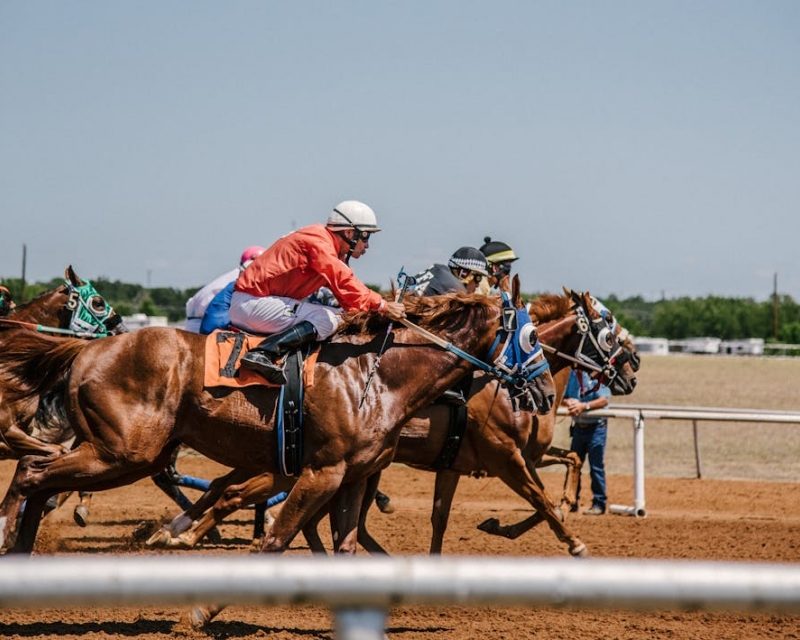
{"x":591,"y":441}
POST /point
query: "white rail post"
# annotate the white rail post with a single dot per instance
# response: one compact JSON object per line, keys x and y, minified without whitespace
{"x":360,"y":623}
{"x":638,"y":508}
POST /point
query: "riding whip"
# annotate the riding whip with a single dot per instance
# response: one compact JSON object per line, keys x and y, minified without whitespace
{"x":406,"y":281}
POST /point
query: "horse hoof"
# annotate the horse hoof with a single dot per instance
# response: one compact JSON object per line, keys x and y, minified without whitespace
{"x":199,"y":617}
{"x":80,"y":515}
{"x":491,"y":525}
{"x":159,"y":540}
{"x":214,"y":536}
{"x":579,"y":551}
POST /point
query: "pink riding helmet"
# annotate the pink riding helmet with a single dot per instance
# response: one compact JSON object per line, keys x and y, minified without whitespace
{"x":250,"y":254}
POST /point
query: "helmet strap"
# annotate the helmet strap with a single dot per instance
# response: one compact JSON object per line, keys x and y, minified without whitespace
{"x":351,"y":244}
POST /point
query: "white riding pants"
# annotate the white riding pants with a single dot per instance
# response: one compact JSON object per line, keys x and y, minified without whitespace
{"x":274,"y":314}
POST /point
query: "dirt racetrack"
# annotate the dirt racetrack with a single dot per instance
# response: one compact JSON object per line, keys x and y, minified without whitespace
{"x":687,"y":518}
{"x":709,"y":519}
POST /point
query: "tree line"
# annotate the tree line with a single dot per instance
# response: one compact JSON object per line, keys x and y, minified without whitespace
{"x":675,"y":319}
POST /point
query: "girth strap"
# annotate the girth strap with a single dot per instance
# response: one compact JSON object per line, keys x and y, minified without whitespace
{"x":289,"y":421}
{"x":455,"y":436}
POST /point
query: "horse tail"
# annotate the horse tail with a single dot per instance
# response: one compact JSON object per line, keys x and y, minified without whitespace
{"x":31,"y":363}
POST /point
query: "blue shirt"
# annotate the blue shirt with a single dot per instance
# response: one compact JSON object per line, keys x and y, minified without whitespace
{"x":590,"y":393}
{"x":217,"y":315}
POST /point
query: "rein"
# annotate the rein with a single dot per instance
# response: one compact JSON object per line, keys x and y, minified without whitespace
{"x":447,"y":346}
{"x":43,"y":329}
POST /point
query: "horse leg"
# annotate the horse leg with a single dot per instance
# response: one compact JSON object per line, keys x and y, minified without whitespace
{"x":364,"y":538}
{"x":344,"y":525}
{"x":169,"y":533}
{"x":313,"y":489}
{"x":29,"y":525}
{"x":81,"y":512}
{"x":572,"y":462}
{"x":311,"y":533}
{"x":79,"y":468}
{"x":443,"y":492}
{"x":516,"y":476}
{"x":234,"y":497}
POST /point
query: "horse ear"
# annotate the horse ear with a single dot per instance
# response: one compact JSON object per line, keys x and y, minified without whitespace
{"x":503,"y":284}
{"x":575,"y":296}
{"x":70,"y":275}
{"x":515,"y":293}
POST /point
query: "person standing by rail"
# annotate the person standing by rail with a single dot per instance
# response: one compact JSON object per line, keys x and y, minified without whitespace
{"x":588,"y":434}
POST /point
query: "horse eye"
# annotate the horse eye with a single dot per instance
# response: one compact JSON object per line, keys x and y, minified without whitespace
{"x":527,"y":337}
{"x":98,"y":304}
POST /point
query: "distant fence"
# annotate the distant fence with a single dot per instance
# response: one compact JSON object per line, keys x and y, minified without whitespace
{"x":361,"y":590}
{"x":638,"y":413}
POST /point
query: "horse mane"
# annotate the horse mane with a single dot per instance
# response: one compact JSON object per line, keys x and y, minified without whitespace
{"x":549,"y":306}
{"x":454,"y":313}
{"x":31,"y":363}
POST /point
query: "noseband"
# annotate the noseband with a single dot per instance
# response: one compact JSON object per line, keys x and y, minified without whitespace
{"x":598,"y":351}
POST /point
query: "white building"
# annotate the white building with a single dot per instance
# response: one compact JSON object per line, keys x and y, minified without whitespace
{"x":695,"y":345}
{"x":141,"y":320}
{"x":652,"y":346}
{"x":748,"y":347}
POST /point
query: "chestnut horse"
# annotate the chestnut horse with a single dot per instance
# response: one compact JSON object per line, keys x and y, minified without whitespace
{"x":74,"y":308}
{"x":133,"y":398}
{"x":498,"y":441}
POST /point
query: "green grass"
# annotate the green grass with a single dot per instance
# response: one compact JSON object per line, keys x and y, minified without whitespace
{"x":729,"y":450}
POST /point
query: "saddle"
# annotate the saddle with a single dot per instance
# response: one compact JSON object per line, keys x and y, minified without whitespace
{"x":224,"y":351}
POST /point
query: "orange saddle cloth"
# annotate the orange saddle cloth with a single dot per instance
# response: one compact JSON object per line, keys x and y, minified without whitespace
{"x":224,"y":351}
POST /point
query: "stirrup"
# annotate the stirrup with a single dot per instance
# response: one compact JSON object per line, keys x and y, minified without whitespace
{"x":261,"y":363}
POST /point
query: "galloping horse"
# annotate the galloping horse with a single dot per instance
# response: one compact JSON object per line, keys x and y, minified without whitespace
{"x":74,"y":308}
{"x":131,"y":399}
{"x":495,"y":440}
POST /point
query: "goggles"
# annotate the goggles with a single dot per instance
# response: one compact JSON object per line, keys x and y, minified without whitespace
{"x":464,"y":275}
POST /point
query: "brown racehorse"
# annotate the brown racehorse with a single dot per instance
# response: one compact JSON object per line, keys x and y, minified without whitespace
{"x":132,"y":399}
{"x":499,"y":440}
{"x":72,"y":308}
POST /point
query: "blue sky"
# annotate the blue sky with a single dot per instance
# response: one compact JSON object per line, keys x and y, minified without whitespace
{"x":634,"y":148}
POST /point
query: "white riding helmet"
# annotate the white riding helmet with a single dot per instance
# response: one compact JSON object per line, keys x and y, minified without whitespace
{"x":352,"y":213}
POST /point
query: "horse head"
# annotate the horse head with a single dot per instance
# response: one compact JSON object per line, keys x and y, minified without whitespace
{"x":6,"y":302}
{"x":85,"y":310}
{"x":575,"y":331}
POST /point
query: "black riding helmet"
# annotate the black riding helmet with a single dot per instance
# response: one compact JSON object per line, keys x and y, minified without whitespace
{"x":499,"y":255}
{"x":467,"y":262}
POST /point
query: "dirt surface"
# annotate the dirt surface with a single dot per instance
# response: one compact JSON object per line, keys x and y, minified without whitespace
{"x":686,"y":518}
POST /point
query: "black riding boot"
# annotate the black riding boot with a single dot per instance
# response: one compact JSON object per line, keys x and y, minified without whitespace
{"x":262,"y":358}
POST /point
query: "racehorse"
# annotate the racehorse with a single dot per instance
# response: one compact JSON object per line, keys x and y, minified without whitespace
{"x":133,"y":398}
{"x":498,"y":439}
{"x":74,"y":308}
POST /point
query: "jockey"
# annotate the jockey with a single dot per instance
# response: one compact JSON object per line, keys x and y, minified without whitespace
{"x":197,"y":305}
{"x":465,"y":270}
{"x":499,"y":255}
{"x":6,"y":303}
{"x":269,"y":296}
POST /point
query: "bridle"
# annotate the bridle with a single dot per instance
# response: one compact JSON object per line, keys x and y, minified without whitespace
{"x":598,"y":351}
{"x":86,"y":320}
{"x":514,"y":366}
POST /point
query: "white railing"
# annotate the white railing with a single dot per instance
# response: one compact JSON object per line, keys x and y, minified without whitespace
{"x":638,"y":413}
{"x":361,"y":590}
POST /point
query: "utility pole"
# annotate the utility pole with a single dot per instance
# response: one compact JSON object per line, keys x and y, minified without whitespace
{"x":24,"y":262}
{"x":775,"y":307}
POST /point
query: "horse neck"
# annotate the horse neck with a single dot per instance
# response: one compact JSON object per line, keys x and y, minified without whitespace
{"x":442,"y":368}
{"x":44,"y":309}
{"x":560,"y":334}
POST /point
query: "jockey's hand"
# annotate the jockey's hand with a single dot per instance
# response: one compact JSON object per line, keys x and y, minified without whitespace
{"x":394,"y":311}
